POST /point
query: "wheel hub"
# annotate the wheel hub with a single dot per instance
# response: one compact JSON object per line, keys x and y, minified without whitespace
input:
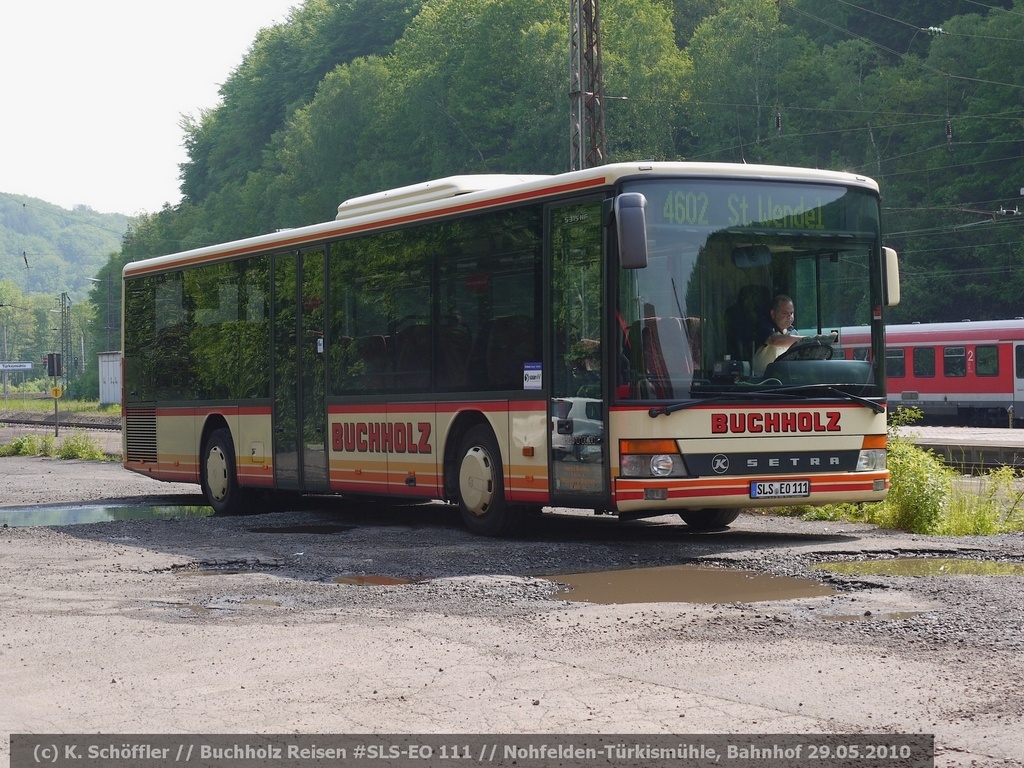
{"x":217,"y":473}
{"x":476,"y":481}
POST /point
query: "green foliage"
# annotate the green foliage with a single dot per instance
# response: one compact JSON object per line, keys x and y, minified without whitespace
{"x":987,"y":505}
{"x":76,"y":445}
{"x":62,"y":247}
{"x":80,"y":445}
{"x":30,"y":445}
{"x":903,"y":416}
{"x":926,"y":496}
{"x":919,"y":488}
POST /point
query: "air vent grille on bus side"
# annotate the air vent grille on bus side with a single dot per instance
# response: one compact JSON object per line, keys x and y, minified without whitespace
{"x":140,"y":434}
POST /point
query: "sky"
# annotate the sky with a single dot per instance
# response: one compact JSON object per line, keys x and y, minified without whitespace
{"x":93,"y":93}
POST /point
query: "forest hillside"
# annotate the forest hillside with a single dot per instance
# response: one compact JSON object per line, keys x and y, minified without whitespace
{"x":352,"y":96}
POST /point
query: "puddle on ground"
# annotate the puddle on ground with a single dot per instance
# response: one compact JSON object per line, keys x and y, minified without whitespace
{"x":684,"y":584}
{"x":24,"y":517}
{"x":370,"y":581}
{"x":924,"y":566}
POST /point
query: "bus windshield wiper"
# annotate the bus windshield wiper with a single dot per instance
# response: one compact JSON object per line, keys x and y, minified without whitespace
{"x":812,"y":389}
{"x":682,"y":405}
{"x":805,"y":389}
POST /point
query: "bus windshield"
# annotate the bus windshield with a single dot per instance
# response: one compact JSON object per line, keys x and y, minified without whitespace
{"x":747,"y":288}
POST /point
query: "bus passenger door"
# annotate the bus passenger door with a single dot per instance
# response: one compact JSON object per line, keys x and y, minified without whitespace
{"x":577,"y":412}
{"x":300,"y":449}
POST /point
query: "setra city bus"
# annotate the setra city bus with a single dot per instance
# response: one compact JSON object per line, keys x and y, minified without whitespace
{"x":510,"y":343}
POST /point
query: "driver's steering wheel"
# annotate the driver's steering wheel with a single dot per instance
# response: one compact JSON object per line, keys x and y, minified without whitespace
{"x":808,"y":348}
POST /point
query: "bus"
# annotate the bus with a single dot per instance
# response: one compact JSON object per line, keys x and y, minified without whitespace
{"x":967,"y":372}
{"x":509,"y":344}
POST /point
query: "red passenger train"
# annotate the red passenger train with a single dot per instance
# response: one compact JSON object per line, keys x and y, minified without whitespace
{"x":965,"y":373}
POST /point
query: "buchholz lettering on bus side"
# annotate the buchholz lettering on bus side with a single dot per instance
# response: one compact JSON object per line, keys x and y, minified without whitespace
{"x":791,"y":421}
{"x":381,"y":437}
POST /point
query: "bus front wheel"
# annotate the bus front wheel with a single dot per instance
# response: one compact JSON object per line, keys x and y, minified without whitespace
{"x":219,"y":480}
{"x":709,"y":519}
{"x":482,"y":502}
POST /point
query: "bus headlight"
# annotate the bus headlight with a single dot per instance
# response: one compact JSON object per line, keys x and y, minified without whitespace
{"x":872,"y":453}
{"x":650,"y":458}
{"x":871,"y":459}
{"x":661,"y":465}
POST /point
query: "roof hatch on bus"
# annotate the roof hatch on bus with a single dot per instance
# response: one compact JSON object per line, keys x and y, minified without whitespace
{"x":427,"y":191}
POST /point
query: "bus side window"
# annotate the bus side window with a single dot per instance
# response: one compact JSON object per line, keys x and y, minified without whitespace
{"x":371,"y":352}
{"x":453,"y":348}
{"x":510,"y":343}
{"x":413,"y":355}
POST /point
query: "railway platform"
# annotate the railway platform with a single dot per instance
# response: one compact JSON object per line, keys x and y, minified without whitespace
{"x":971,"y":446}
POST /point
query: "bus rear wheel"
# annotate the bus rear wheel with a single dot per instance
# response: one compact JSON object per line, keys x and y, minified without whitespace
{"x":709,"y":519}
{"x":219,"y":479}
{"x":481,"y":485}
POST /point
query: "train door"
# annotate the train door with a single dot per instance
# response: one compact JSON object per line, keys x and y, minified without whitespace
{"x":300,"y":447}
{"x":1018,"y":380}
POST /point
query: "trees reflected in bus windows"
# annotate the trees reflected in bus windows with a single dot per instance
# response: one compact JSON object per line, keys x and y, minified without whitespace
{"x":451,"y":306}
{"x":199,"y":334}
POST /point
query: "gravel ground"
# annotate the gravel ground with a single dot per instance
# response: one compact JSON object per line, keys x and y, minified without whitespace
{"x":349,"y":617}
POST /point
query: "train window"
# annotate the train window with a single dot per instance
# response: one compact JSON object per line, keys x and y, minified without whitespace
{"x":895,"y":365}
{"x":954,"y":361}
{"x":924,"y":362}
{"x":861,"y":353}
{"x":1018,"y":357}
{"x":986,"y":362}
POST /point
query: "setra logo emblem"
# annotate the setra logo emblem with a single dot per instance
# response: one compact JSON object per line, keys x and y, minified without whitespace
{"x":720,"y":464}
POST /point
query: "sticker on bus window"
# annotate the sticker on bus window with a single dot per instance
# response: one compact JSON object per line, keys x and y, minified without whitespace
{"x":532,"y":378}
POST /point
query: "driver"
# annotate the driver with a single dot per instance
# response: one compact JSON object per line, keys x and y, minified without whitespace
{"x":774,"y":333}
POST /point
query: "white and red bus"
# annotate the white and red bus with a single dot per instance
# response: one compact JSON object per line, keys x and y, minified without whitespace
{"x":964,"y":372}
{"x":513,"y":343}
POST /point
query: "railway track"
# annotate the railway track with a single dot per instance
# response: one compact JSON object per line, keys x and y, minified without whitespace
{"x":69,"y":423}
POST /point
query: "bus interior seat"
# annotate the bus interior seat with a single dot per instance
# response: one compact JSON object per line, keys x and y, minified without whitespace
{"x":666,"y":357}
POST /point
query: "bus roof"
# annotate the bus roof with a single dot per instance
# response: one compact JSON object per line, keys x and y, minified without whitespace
{"x":463,"y":194}
{"x":427,"y":191}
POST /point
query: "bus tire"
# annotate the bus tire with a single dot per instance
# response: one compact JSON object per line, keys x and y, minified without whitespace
{"x":709,"y":519}
{"x":219,"y":478}
{"x":481,"y":486}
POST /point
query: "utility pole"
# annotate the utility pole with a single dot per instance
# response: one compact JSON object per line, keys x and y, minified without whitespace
{"x":586,"y":86}
{"x":66,"y":349}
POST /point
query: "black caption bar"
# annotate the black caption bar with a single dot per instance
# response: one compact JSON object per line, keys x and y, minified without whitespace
{"x":465,"y":750}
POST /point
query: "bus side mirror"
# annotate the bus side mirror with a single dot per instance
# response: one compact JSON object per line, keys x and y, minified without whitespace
{"x":631,"y":226}
{"x":892,"y":277}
